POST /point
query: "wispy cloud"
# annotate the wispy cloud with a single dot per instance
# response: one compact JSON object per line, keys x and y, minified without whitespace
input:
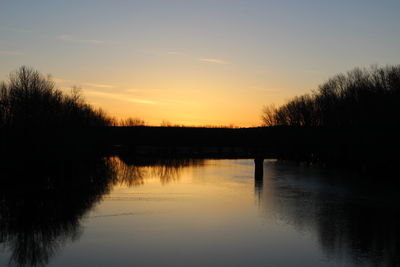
{"x":177,"y":53}
{"x":142,"y":101}
{"x":10,"y":53}
{"x":141,"y":90}
{"x":213,"y":60}
{"x":65,"y":37}
{"x":183,"y":54}
{"x":69,"y":38}
{"x":122,"y":97}
{"x":86,"y":84}
{"x":59,"y":80}
{"x":98,"y":85}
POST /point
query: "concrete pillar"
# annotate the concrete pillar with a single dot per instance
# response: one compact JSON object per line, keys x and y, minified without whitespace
{"x":259,"y":173}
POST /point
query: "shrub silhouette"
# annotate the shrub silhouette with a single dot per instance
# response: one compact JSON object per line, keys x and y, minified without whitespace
{"x":30,"y":100}
{"x":131,"y":122}
{"x":360,"y":98}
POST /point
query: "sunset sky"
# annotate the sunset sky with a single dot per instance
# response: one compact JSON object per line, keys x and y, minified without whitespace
{"x":196,"y":62}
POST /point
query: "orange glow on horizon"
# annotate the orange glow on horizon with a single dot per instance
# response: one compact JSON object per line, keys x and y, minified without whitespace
{"x":201,"y":100}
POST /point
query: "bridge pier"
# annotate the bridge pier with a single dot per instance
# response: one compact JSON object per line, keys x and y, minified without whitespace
{"x":259,"y":172}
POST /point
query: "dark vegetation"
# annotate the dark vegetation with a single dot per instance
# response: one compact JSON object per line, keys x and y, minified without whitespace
{"x":351,"y":120}
{"x":360,"y":98}
{"x":36,"y":117}
{"x":30,"y":100}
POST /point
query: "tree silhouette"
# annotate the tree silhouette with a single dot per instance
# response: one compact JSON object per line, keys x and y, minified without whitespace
{"x":360,"y":98}
{"x":30,"y":100}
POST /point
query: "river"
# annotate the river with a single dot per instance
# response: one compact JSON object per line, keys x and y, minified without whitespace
{"x":202,"y":213}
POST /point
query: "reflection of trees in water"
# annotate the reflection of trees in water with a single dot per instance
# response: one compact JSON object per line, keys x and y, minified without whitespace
{"x":129,"y":175}
{"x":134,"y":171}
{"x":370,"y":233}
{"x":42,"y":204}
{"x":350,"y":223}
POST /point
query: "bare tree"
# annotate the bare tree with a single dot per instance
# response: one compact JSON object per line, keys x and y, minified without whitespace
{"x":358,"y":98}
{"x":29,"y":99}
{"x":269,"y":115}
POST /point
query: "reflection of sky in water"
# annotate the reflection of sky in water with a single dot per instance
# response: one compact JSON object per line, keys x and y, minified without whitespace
{"x":213,"y":213}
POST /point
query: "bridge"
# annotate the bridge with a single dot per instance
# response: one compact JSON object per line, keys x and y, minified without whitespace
{"x":204,"y":142}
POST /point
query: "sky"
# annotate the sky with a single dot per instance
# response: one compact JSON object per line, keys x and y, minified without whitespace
{"x":196,"y":62}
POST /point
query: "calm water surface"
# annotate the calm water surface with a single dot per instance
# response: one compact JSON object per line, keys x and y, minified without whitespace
{"x":202,"y":213}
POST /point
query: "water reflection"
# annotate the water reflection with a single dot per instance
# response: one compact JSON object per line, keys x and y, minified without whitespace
{"x":259,"y":176}
{"x":43,"y":203}
{"x":134,"y":171}
{"x":354,"y":219}
{"x":43,"y":206}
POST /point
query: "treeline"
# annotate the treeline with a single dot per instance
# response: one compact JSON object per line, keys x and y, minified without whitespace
{"x":30,"y":100}
{"x":351,"y":120}
{"x":360,"y":98}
